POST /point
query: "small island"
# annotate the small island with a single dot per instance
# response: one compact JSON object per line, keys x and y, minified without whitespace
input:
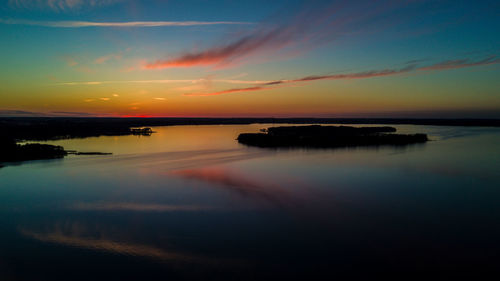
{"x":141,"y":131}
{"x":317,"y":136}
{"x":10,"y":151}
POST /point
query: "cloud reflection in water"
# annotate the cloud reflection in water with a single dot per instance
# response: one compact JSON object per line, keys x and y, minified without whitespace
{"x":241,"y":184}
{"x":139,"y":207}
{"x":80,"y":236}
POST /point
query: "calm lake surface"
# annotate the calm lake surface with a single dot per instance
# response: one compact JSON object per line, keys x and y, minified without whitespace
{"x":190,"y":203}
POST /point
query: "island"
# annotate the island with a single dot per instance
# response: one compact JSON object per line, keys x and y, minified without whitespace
{"x":141,"y":131}
{"x":316,"y":136}
{"x":10,"y":151}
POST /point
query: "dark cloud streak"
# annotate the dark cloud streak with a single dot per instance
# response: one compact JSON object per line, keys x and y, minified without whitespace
{"x":461,"y":63}
{"x":440,"y":66}
{"x":358,"y":75}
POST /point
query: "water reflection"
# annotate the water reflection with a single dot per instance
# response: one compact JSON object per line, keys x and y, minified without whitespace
{"x":79,"y":236}
{"x":138,"y":207}
{"x":175,"y":159}
{"x":258,"y":189}
{"x":189,"y":203}
{"x":116,"y":247}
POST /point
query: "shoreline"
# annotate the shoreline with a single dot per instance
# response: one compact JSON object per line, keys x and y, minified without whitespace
{"x":54,"y":128}
{"x":15,"y":130}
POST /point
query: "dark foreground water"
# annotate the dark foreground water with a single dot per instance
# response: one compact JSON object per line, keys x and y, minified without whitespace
{"x":190,"y":203}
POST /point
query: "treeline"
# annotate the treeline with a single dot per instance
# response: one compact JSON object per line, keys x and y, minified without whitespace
{"x":329,"y":137}
{"x":12,"y":152}
{"x":45,"y":128}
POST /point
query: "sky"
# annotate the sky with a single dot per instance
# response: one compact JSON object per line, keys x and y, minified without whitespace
{"x":234,"y":58}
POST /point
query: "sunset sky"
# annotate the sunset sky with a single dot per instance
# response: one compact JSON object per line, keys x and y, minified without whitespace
{"x":250,"y":58}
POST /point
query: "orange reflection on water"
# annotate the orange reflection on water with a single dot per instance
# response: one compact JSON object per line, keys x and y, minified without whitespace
{"x":165,"y":139}
{"x":78,"y":235}
{"x":108,"y":246}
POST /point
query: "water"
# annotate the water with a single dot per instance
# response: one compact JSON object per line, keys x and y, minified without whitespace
{"x":190,"y":203}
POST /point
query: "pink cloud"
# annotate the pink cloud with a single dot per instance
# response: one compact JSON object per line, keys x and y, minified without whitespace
{"x":222,"y":55}
{"x":312,"y":26}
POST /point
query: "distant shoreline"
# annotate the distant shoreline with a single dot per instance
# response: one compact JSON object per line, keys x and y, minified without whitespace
{"x":248,"y":120}
{"x":18,"y":129}
{"x":52,"y":128}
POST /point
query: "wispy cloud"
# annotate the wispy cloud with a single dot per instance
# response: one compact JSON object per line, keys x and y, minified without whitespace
{"x":259,"y":85}
{"x":75,"y":64}
{"x":223,"y":54}
{"x":70,"y":114}
{"x":440,"y":66}
{"x":230,"y":91}
{"x":358,"y":75}
{"x":24,"y":113}
{"x":19,"y":113}
{"x":165,"y":81}
{"x":59,"y":5}
{"x":461,"y":63}
{"x":138,"y":207}
{"x":78,"y":24}
{"x":272,"y":84}
{"x":103,"y":59}
{"x":306,"y":29}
